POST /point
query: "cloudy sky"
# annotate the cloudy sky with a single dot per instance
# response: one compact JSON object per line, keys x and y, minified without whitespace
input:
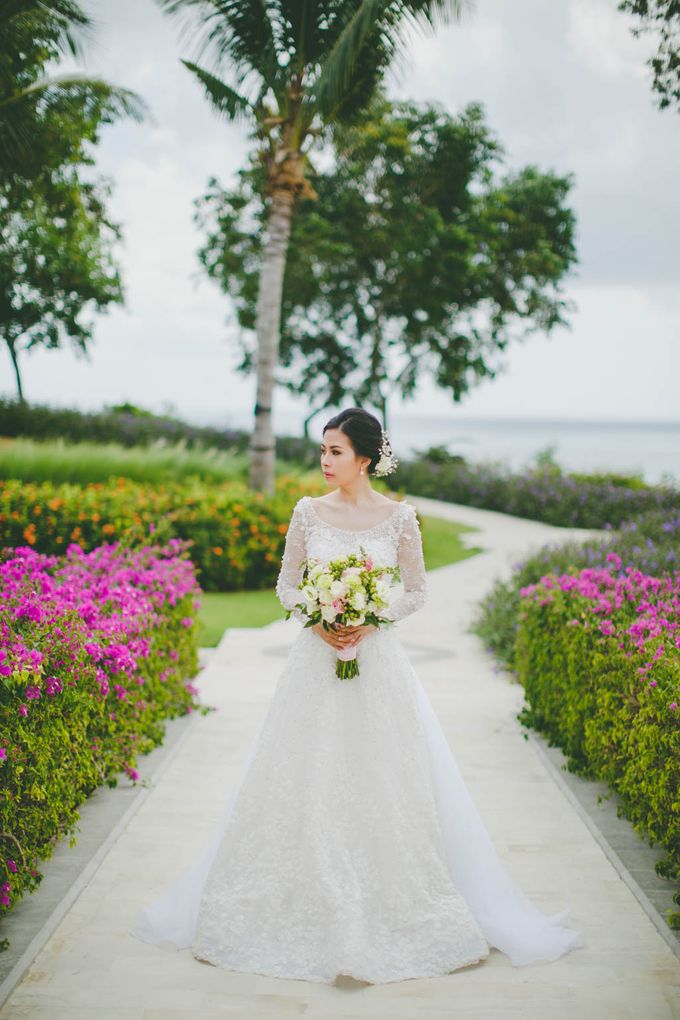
{"x":564,"y":86}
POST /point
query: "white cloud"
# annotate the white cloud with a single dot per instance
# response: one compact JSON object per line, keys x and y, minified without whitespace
{"x":601,"y":36}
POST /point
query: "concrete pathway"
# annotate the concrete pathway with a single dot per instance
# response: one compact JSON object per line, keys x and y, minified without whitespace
{"x":90,"y":967}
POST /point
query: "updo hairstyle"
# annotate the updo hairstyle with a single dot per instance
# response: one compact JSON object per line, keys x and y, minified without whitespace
{"x":363,"y":430}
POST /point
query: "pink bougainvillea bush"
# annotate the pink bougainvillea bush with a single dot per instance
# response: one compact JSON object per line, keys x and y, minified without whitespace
{"x":97,"y":649}
{"x":598,"y":653}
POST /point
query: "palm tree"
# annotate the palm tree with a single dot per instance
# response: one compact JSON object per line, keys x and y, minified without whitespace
{"x":299,"y":67}
{"x":35,"y":108}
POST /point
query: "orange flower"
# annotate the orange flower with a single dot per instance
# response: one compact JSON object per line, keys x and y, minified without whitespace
{"x":29,"y":534}
{"x":217,"y":549}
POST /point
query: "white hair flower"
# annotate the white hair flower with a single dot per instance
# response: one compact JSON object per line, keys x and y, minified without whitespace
{"x":388,"y":462}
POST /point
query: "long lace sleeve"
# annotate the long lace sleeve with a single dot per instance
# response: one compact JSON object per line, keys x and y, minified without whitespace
{"x":412,"y":568}
{"x":291,"y":570}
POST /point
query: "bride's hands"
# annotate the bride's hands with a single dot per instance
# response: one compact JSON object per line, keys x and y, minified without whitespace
{"x":339,"y":636}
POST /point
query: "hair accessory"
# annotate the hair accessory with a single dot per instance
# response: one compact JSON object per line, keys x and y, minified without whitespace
{"x":388,"y":462}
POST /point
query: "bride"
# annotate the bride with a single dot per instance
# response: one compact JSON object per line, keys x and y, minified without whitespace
{"x":349,"y":844}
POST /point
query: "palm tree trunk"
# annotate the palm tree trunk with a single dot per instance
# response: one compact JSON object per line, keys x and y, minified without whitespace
{"x":270,"y":292}
{"x":15,"y":362}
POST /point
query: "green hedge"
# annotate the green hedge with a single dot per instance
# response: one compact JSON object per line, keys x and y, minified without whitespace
{"x":609,"y":711}
{"x":542,"y":493}
{"x":134,"y":426}
{"x":586,"y":694}
{"x":237,"y":535}
{"x":97,"y":652}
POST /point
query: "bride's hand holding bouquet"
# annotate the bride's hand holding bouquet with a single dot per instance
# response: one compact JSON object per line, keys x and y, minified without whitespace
{"x":346,"y":597}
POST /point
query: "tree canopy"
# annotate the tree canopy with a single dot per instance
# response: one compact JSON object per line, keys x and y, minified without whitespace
{"x":46,"y":118}
{"x":56,"y":239}
{"x":416,"y":257}
{"x":296,"y":68}
{"x":661,"y":17}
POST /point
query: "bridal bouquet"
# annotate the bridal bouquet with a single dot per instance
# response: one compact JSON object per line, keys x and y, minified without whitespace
{"x":351,"y":590}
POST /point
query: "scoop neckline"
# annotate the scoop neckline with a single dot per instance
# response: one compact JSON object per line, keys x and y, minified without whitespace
{"x":358,"y":531}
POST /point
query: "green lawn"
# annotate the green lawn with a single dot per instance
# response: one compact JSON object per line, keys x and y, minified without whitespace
{"x":441,"y":546}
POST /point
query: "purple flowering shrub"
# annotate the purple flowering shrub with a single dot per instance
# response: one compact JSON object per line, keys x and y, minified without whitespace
{"x":236,"y":536}
{"x":97,"y":651}
{"x":543,"y":492}
{"x":591,"y":630}
{"x":650,"y":543}
{"x":598,"y":654}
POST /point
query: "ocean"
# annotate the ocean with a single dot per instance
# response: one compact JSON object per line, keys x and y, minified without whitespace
{"x":651,"y":449}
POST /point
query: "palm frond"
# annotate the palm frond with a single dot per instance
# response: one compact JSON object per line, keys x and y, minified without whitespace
{"x":302,"y":28}
{"x":30,"y":16}
{"x":377,"y":25}
{"x":119,"y":102}
{"x":223,"y":97}
{"x":240,"y":30}
{"x":25,"y":113}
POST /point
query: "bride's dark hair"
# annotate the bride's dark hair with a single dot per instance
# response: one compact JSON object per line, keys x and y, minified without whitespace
{"x":363,"y":430}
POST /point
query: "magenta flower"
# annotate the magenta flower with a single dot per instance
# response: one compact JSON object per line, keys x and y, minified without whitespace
{"x":53,"y":686}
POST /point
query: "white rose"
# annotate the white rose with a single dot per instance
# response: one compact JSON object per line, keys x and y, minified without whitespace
{"x":328,"y":613}
{"x":338,"y":589}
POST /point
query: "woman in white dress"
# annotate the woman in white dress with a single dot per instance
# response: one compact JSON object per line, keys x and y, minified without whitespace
{"x":349,"y":844}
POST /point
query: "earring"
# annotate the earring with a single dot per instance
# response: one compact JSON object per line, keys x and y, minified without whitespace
{"x":361,"y":472}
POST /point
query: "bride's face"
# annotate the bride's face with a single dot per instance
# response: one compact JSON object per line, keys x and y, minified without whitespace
{"x":339,"y":462}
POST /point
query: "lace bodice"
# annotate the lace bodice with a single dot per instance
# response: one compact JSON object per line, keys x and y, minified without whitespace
{"x":396,"y":540}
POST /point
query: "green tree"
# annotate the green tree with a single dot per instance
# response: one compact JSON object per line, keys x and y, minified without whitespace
{"x":56,"y":240}
{"x":56,"y":263}
{"x":42,"y":115}
{"x":662,"y":17}
{"x":298,"y":68}
{"x":413,"y":259}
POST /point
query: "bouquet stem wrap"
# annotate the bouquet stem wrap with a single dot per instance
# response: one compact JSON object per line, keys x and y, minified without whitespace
{"x":347,"y":666}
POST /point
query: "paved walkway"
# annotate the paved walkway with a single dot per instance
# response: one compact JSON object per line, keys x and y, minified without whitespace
{"x":91,"y":967}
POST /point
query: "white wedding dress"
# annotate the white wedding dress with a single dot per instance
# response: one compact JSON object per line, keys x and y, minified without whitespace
{"x":349,"y":843}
